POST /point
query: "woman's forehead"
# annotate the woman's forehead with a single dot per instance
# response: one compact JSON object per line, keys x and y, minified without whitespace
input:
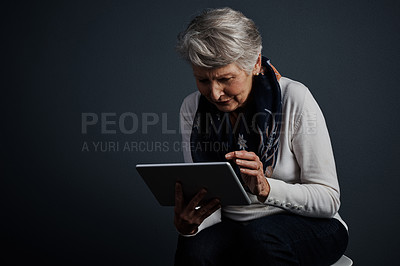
{"x":215,"y":72}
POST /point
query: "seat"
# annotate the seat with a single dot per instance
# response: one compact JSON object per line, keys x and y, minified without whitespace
{"x":343,"y":261}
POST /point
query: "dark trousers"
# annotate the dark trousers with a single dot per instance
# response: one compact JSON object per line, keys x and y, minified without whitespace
{"x":281,"y":239}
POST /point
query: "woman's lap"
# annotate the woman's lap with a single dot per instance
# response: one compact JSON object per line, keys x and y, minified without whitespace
{"x":212,"y":246}
{"x":282,"y":239}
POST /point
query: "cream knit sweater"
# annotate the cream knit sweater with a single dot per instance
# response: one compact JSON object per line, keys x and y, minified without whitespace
{"x":304,"y":180}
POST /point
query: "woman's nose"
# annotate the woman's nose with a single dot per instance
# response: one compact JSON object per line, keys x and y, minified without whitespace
{"x":216,"y":91}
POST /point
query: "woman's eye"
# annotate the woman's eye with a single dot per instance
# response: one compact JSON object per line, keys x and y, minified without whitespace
{"x":203,"y":80}
{"x":224,"y":79}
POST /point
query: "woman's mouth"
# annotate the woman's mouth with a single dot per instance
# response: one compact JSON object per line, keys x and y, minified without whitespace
{"x":223,"y":102}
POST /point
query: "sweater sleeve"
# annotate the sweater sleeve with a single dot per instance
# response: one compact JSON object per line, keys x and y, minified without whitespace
{"x":187,"y":113}
{"x":316,"y":192}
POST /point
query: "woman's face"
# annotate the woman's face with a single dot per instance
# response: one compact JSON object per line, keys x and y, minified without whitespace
{"x":226,"y":87}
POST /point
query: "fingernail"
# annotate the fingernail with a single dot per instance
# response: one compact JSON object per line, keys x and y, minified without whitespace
{"x":227,"y":156}
{"x":238,"y":161}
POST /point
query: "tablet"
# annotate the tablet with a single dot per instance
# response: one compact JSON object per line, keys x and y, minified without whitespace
{"x":217,"y":177}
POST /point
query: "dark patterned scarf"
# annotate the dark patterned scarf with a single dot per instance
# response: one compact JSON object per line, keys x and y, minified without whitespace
{"x":257,"y":127}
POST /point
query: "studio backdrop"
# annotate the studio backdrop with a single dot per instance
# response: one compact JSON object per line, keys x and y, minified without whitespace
{"x":91,"y":88}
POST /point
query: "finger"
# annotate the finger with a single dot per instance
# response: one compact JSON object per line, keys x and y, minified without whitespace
{"x":196,"y":199}
{"x":246,"y":155}
{"x":178,"y":197}
{"x":234,"y":154}
{"x":211,"y":203}
{"x":229,"y":155}
{"x":249,"y":172}
{"x":254,"y":165}
{"x":210,"y":208}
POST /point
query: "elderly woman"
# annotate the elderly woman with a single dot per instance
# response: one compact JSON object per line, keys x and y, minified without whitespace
{"x":277,"y":142}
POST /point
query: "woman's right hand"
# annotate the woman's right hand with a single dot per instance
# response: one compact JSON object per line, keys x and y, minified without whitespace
{"x":189,"y":216}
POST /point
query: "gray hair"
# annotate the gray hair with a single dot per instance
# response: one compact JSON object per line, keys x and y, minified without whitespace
{"x":219,"y":37}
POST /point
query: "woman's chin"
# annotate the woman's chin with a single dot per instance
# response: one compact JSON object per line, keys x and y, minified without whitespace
{"x":226,"y":107}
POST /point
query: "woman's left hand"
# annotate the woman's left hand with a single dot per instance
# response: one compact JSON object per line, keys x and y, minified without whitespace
{"x":252,"y":172}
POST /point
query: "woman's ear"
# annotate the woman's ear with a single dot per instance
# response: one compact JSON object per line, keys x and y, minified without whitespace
{"x":257,"y":66}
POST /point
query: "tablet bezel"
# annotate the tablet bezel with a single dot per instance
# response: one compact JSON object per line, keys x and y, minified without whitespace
{"x":218,"y":178}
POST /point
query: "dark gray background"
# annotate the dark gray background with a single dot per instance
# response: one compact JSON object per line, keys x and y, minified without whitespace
{"x":65,"y":58}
